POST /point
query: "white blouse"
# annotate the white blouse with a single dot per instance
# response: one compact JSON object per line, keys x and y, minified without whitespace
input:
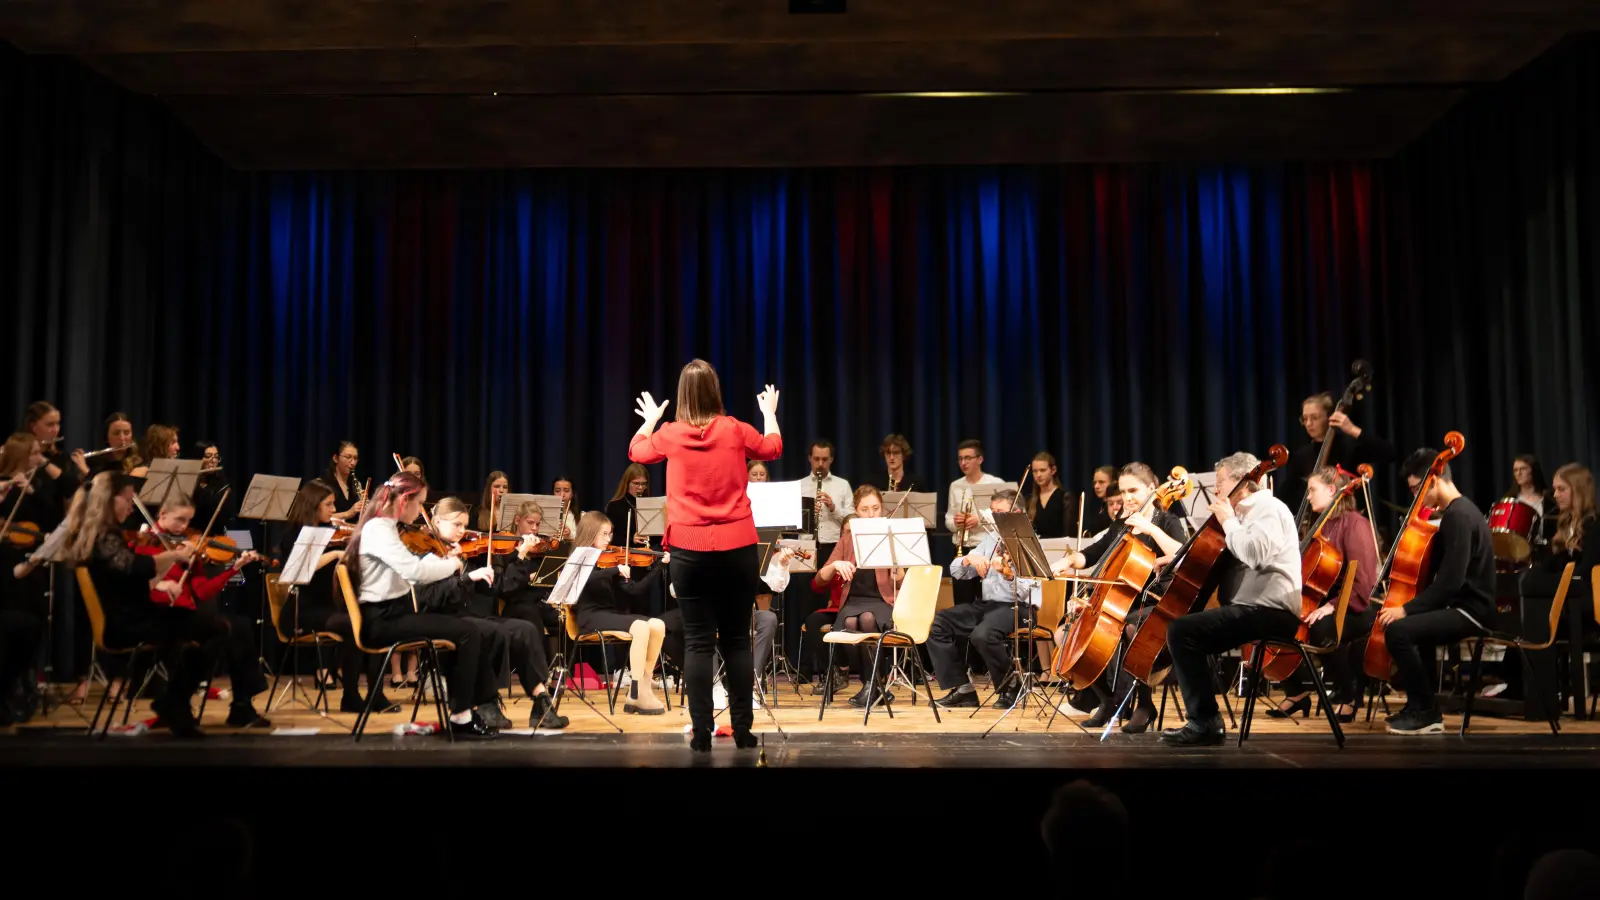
{"x":388,"y":569}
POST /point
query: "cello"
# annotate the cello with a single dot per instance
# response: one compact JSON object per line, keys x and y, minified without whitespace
{"x":1408,"y":563}
{"x":1117,"y":582}
{"x":1358,"y":388}
{"x":1320,"y":566}
{"x":1193,"y":582}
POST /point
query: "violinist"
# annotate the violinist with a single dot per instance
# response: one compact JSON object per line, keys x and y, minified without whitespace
{"x":1161,"y":531}
{"x":1351,"y":534}
{"x":895,"y":450}
{"x":24,"y":505}
{"x":514,"y":580}
{"x":1456,"y":604}
{"x":987,"y":623}
{"x":606,"y":604}
{"x":59,"y":478}
{"x":212,"y":490}
{"x":233,"y":643}
{"x":160,"y":442}
{"x":1260,"y":596}
{"x":496,"y":486}
{"x":348,"y":501}
{"x":520,"y":644}
{"x":321,"y":608}
{"x":382,"y":570}
{"x":1352,"y":444}
{"x":413,"y":465}
{"x":865,"y":598}
{"x":123,"y":580}
{"x":1047,"y":502}
{"x":562,"y":489}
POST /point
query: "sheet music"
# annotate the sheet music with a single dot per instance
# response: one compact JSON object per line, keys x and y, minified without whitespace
{"x":650,"y":516}
{"x":550,"y":509}
{"x":301,"y":566}
{"x":889,"y":543}
{"x":269,"y":497}
{"x":170,"y":478}
{"x":917,"y":505}
{"x":775,"y":504}
{"x":507,"y":510}
{"x":574,"y":575}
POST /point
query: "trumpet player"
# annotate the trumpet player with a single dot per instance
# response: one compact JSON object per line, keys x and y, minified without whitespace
{"x":961,"y":517}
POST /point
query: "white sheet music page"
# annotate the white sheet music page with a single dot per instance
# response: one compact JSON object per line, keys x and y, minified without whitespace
{"x":574,"y":575}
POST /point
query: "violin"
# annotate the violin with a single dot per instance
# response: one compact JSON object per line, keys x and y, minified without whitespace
{"x":477,"y":543}
{"x":614,"y":556}
{"x":424,"y":542}
{"x":1321,"y":563}
{"x":1407,"y":568}
{"x":1194,"y":579}
{"x":23,"y":535}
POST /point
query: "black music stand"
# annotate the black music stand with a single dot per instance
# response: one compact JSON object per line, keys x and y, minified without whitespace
{"x":1014,"y":531}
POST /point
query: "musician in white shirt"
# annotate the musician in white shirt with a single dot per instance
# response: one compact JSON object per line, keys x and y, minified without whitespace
{"x":957,"y":518}
{"x":832,"y":495}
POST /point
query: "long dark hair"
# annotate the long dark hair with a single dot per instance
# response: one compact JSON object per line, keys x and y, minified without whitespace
{"x":699,"y":393}
{"x":304,"y":510}
{"x":635,"y":470}
{"x":333,"y":467}
{"x":484,"y":522}
{"x":1539,"y":482}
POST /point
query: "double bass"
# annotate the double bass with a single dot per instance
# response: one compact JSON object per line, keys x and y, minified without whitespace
{"x":1407,"y":566}
{"x":1193,"y":582}
{"x":1320,"y":565}
{"x":1358,"y":388}
{"x":1117,"y":584}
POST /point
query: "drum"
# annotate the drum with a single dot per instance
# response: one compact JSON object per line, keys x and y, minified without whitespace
{"x":1511,"y":523}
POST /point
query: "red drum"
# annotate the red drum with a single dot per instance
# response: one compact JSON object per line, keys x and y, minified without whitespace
{"x":1511,"y":523}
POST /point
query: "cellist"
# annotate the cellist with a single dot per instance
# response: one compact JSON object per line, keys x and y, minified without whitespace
{"x":1163,"y":533}
{"x":1455,"y":605}
{"x":1260,"y":596}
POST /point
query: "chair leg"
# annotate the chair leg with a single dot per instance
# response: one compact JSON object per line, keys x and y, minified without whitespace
{"x":612,"y":689}
{"x":440,"y":698}
{"x":922,"y":674}
{"x":1474,"y":684}
{"x":1554,"y":708}
{"x":277,"y":676}
{"x":1248,"y":713}
{"x":111,"y":715}
{"x":1324,"y":706}
{"x":827,"y":683}
{"x":372,"y":695}
{"x":424,"y":659}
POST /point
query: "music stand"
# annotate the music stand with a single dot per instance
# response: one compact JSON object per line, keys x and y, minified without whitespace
{"x":50,"y":551}
{"x":916,"y":505}
{"x":168,"y":479}
{"x":571,"y":576}
{"x":270,"y":498}
{"x":510,"y":503}
{"x":1014,"y":532}
{"x":299,"y":569}
{"x":650,"y":516}
{"x":890,"y":543}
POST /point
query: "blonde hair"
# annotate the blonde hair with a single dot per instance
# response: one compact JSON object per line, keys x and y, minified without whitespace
{"x":528,"y":508}
{"x":158,"y":442}
{"x":589,"y":528}
{"x":91,"y":515}
{"x":450,"y":506}
{"x":18,"y":450}
{"x":1569,"y":526}
{"x":699,"y":393}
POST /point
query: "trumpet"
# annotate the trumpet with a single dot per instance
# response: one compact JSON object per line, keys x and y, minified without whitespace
{"x":966,"y":509}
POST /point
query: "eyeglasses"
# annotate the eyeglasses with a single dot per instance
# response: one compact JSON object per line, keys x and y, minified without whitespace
{"x":965,"y":458}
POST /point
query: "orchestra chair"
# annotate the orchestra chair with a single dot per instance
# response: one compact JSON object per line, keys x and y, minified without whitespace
{"x":146,"y":653}
{"x":826,"y":630}
{"x":1052,"y":608}
{"x":1305,"y":651}
{"x":428,"y":647}
{"x":1511,"y":642}
{"x":914,"y":608}
{"x":604,"y":639}
{"x":277,"y":599}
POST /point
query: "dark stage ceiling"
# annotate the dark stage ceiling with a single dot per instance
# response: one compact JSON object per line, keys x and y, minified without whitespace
{"x":395,"y":84}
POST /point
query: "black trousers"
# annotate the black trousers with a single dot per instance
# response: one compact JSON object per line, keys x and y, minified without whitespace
{"x":813,"y":653}
{"x":176,"y":627}
{"x":470,"y":668}
{"x":985,"y":625}
{"x":1195,"y":637}
{"x":20,"y":633}
{"x":524,"y":651}
{"x":1113,"y":683}
{"x":240,"y":655}
{"x":1407,"y":639}
{"x":1341,"y":668}
{"x":716,"y":592}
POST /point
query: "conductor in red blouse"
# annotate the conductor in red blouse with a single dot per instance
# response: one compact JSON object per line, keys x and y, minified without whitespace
{"x":711,"y":533}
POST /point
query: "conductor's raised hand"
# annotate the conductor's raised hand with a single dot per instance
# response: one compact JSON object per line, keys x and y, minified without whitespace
{"x":767,"y":400}
{"x":649,"y":410}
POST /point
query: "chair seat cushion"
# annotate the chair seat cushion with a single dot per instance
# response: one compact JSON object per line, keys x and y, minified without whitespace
{"x":850,"y":637}
{"x":594,"y":637}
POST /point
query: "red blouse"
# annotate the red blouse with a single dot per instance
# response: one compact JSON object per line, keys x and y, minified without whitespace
{"x":707,"y":508}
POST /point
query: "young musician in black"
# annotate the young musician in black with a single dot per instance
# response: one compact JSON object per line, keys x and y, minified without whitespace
{"x":1160,"y":530}
{"x":896,"y":450}
{"x":341,"y":476}
{"x":1352,"y":445}
{"x":607,"y":602}
{"x":60,"y":477}
{"x":25,"y":502}
{"x":1456,"y":604}
{"x":1260,"y":595}
{"x":1047,"y":502}
{"x":1575,"y":538}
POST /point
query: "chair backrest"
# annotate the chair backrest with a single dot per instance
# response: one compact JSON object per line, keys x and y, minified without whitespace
{"x":917,"y":602}
{"x":91,"y":602}
{"x":572,"y":622}
{"x":351,"y":604}
{"x":1052,"y":604}
{"x":277,"y":598}
{"x":1556,"y":606}
{"x":1594,"y":584}
{"x":1344,"y":602}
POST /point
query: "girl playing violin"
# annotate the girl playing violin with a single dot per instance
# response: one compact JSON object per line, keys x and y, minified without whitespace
{"x":606,"y":605}
{"x":160,"y":442}
{"x":1351,"y":534}
{"x":196,"y":590}
{"x":519,"y":597}
{"x":23,"y":583}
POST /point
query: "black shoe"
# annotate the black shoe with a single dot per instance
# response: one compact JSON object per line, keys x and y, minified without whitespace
{"x":1101,"y":716}
{"x":879,"y":697}
{"x":544,"y":714}
{"x":1005,"y":700}
{"x":958,"y":698}
{"x":700,"y":742}
{"x":1190,"y":736}
{"x":244,"y":716}
{"x":744,"y":740}
{"x":1417,"y":722}
{"x":492,"y":716}
{"x":474,"y":730}
{"x":1302,"y":706}
{"x":840,"y":681}
{"x":1083,"y":701}
{"x":1140,"y":721}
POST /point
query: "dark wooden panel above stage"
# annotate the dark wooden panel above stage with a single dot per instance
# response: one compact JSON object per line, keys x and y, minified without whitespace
{"x":274,"y":83}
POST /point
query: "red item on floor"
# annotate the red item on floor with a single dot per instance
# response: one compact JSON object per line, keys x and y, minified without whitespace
{"x":724,"y":731}
{"x":583,"y":678}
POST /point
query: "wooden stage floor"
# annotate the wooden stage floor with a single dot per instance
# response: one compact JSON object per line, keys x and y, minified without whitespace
{"x":796,"y":738}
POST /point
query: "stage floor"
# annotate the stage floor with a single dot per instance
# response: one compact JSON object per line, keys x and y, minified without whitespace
{"x":910,"y":739}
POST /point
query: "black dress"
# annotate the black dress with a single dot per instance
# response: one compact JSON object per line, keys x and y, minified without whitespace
{"x":342,"y":501}
{"x":607,"y":601}
{"x":318,"y":601}
{"x":1050,"y":520}
{"x":865,"y":597}
{"x":39,"y":509}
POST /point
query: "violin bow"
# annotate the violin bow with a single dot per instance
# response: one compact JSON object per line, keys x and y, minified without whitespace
{"x":26,"y":487}
{"x":205,"y":537}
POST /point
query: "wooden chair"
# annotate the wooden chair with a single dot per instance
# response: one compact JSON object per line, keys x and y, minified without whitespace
{"x":1306,"y":651}
{"x":1524,"y":645}
{"x":603,"y":640}
{"x":1594,"y":587}
{"x":277,"y":599}
{"x":430,"y":648}
{"x":914,"y":609}
{"x":145,"y":652}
